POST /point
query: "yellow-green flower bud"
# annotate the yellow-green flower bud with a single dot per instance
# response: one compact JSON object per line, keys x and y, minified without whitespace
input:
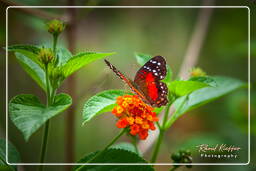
{"x":55,"y":27}
{"x":197,"y":72}
{"x":45,"y":55}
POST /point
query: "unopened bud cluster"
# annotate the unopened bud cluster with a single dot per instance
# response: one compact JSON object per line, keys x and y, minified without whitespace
{"x":55,"y":27}
{"x":197,"y":72}
{"x":182,"y":156}
{"x":46,"y":55}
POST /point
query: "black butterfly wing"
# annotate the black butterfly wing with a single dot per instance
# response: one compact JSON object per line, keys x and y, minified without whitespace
{"x":148,"y":78}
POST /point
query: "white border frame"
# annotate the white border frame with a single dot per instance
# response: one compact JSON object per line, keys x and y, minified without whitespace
{"x":249,"y":77}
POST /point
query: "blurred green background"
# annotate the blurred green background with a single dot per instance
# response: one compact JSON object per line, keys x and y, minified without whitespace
{"x":163,"y":32}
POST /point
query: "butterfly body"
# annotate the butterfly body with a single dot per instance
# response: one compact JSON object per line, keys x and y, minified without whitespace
{"x":147,"y":83}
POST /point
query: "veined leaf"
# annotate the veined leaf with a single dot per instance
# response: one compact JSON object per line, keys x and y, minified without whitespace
{"x":29,"y":51}
{"x":64,"y":55}
{"x":24,"y":48}
{"x":100,"y":103}
{"x":33,"y":69}
{"x":13,"y":156}
{"x":125,"y":146}
{"x":28,"y":114}
{"x":208,"y":80}
{"x":114,"y":156}
{"x":182,"y":88}
{"x":203,"y":96}
{"x":80,"y":60}
{"x":143,"y":58}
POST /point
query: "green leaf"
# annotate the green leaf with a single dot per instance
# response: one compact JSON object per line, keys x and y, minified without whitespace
{"x":24,"y":48}
{"x":114,"y":156}
{"x":158,"y":109}
{"x":64,"y":55}
{"x":33,"y":69}
{"x":80,"y":60}
{"x":208,"y":80}
{"x":29,"y":51}
{"x":143,"y":58}
{"x":13,"y":156}
{"x":28,"y":114}
{"x":125,"y":146}
{"x":182,"y":88}
{"x":100,"y":103}
{"x":202,"y":96}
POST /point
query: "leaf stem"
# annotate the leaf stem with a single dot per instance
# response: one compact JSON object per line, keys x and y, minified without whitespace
{"x":109,"y":144}
{"x":157,"y":146}
{"x":134,"y":141}
{"x":161,"y":135}
{"x":47,"y":124}
{"x":55,"y":39}
{"x":102,"y":151}
{"x":44,"y":144}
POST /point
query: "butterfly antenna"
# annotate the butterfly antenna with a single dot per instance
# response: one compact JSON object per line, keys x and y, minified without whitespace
{"x":118,"y":73}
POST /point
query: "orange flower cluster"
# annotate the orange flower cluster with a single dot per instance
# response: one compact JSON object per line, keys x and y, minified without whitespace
{"x":135,"y":114}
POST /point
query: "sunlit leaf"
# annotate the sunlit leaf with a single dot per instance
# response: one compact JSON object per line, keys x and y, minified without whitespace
{"x":63,"y":56}
{"x":29,"y":51}
{"x":33,"y":69}
{"x":202,"y":96}
{"x":28,"y":114}
{"x":80,"y":60}
{"x":100,"y":103}
{"x":182,"y":88}
{"x":206,"y":79}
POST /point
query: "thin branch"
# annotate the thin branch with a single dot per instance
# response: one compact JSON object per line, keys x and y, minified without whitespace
{"x":190,"y":60}
{"x":33,"y":11}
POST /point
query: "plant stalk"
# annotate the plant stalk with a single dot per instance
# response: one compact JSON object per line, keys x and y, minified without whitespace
{"x":102,"y":151}
{"x":109,"y":144}
{"x":46,"y":128}
{"x":161,"y":135}
{"x":55,"y":39}
{"x":134,"y":141}
{"x":50,"y":93}
{"x":157,"y":146}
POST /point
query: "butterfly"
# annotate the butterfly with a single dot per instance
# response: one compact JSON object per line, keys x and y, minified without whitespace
{"x":147,"y":84}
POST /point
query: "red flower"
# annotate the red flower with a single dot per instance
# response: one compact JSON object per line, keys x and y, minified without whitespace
{"x":122,"y":123}
{"x":135,"y":114}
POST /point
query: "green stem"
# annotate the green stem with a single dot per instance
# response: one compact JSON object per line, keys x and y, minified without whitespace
{"x":134,"y":141}
{"x":46,"y":128}
{"x":50,"y":93}
{"x":161,"y":135}
{"x":55,"y":39}
{"x":111,"y":143}
{"x":44,"y":144}
{"x":166,"y":114}
{"x":157,"y":146}
{"x":102,"y":151}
